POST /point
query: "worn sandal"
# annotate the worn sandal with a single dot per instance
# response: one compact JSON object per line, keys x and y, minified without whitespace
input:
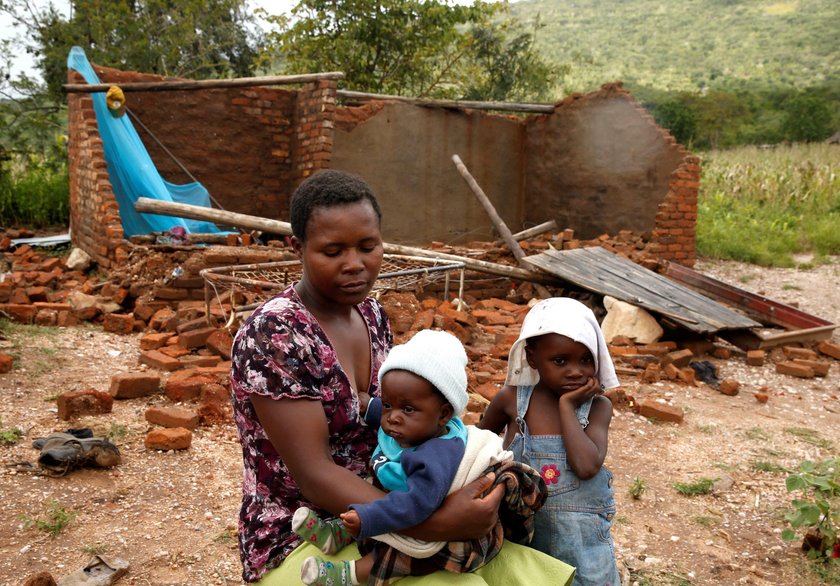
{"x":101,"y":571}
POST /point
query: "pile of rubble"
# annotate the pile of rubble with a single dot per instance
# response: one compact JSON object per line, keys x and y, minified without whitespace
{"x":186,"y":337}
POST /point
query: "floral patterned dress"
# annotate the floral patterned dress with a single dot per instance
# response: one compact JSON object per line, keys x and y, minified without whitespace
{"x":282,"y":352}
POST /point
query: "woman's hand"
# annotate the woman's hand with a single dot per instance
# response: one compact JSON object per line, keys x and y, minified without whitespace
{"x":465,"y":514}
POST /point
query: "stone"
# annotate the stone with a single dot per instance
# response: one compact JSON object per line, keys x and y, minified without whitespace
{"x":624,"y":319}
{"x":78,"y":260}
{"x":168,"y":438}
{"x":88,"y":402}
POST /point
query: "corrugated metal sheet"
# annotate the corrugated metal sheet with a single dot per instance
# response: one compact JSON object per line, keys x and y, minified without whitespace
{"x":606,"y":273}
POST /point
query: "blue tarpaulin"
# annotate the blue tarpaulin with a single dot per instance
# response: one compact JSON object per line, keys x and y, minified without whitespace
{"x":131,"y":170}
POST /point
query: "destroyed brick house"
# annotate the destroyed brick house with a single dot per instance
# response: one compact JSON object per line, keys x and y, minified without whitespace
{"x":622,"y":195}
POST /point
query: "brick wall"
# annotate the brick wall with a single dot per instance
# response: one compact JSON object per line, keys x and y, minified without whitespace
{"x":253,"y":136}
{"x":314,"y":127}
{"x":94,"y":213}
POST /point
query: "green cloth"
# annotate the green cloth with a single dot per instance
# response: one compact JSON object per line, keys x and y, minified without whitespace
{"x":516,"y":565}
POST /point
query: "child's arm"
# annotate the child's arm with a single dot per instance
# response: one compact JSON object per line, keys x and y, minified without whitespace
{"x":429,"y":471}
{"x":585,"y":449}
{"x":501,"y":410}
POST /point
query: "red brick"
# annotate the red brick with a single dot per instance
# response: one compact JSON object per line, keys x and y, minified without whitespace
{"x":118,"y":323}
{"x":671,"y":371}
{"x":6,"y":363}
{"x":195,"y":338}
{"x":688,"y":376}
{"x":19,"y":312}
{"x":493,"y":318}
{"x":488,"y":390}
{"x":722,"y":353}
{"x":159,"y":360}
{"x":130,"y":385}
{"x":88,"y":402}
{"x":729,"y":387}
{"x":174,"y":438}
{"x":154,"y":341}
{"x":830,"y":349}
{"x":46,"y":317}
{"x":220,"y":342}
{"x":820,"y":368}
{"x":794,"y":352}
{"x":173,"y":351}
{"x":186,"y":385}
{"x":214,"y":405}
{"x":756,"y":357}
{"x":172,"y":417}
{"x":793,"y":369}
{"x":678,"y":358}
{"x":761,"y":397}
{"x":192,"y":360}
{"x":661,"y":411}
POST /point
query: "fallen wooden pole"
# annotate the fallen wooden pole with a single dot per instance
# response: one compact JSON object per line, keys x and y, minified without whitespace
{"x":550,"y":226}
{"x":225,"y":218}
{"x":497,"y":220}
{"x":360,"y":97}
{"x":199,"y":84}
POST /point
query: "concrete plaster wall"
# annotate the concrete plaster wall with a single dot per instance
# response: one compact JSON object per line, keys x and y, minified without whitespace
{"x":596,"y":165}
{"x":405,"y":153}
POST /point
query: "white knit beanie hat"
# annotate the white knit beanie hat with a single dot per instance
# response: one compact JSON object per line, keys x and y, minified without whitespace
{"x":436,"y":356}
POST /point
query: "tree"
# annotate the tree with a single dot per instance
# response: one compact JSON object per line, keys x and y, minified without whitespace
{"x":679,"y":117}
{"x":185,"y":38}
{"x":410,"y":47}
{"x":807,"y":118}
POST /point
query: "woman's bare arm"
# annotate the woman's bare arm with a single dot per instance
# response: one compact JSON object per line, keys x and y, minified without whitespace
{"x":298,"y":431}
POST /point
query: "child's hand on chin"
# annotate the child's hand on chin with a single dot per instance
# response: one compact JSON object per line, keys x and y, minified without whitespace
{"x":582,"y":394}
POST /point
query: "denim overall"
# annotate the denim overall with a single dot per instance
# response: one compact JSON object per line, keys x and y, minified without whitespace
{"x":574,"y":524}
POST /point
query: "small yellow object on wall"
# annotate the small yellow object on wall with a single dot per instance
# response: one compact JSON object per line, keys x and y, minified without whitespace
{"x":115,"y":98}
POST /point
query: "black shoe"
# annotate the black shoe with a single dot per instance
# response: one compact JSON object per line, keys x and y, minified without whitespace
{"x":63,"y":452}
{"x":79,"y":432}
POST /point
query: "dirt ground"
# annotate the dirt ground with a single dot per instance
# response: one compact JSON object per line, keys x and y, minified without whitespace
{"x":172,"y":515}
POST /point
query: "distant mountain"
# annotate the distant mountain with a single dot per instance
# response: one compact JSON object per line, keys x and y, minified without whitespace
{"x":676,"y":45}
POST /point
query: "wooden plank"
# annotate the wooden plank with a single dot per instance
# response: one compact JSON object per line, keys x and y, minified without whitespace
{"x":761,"y":308}
{"x":606,"y":273}
{"x":536,"y":108}
{"x":199,"y":84}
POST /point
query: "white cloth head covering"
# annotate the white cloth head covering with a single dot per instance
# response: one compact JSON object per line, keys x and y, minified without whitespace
{"x":567,"y":317}
{"x":436,"y":356}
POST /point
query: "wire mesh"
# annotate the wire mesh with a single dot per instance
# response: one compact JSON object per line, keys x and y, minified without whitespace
{"x":257,"y":283}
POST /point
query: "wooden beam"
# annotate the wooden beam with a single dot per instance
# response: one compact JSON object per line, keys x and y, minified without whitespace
{"x":360,"y":97}
{"x":550,"y":226}
{"x":199,"y":84}
{"x":225,"y":218}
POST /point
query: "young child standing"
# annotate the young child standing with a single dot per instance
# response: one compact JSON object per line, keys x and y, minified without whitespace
{"x":557,"y":421}
{"x":422,"y":449}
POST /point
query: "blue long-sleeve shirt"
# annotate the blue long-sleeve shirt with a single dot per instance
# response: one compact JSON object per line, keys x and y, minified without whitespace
{"x":427,"y":471}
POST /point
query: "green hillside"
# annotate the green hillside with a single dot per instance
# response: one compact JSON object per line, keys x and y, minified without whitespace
{"x":690,"y":45}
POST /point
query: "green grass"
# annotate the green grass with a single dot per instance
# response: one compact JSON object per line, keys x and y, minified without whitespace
{"x":34,"y":195}
{"x":10,"y":437}
{"x":762,"y":466}
{"x":809,"y":436}
{"x":637,"y":488}
{"x":705,"y":521}
{"x":762,"y":206}
{"x":57,"y":519}
{"x":698,"y":487}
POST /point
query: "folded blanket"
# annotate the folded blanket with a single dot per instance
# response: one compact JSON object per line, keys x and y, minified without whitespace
{"x":484,"y":449}
{"x":525,"y":493}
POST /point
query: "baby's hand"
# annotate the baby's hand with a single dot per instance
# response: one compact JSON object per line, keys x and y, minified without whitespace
{"x":364,"y":399}
{"x":582,"y":394}
{"x":352,"y":522}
